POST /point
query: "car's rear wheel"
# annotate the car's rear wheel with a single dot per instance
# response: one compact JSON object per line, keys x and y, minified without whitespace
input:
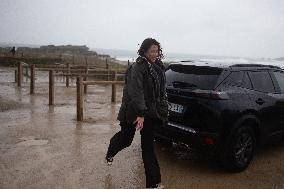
{"x":240,"y":149}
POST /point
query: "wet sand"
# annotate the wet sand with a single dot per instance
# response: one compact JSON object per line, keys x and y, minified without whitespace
{"x":45,"y":147}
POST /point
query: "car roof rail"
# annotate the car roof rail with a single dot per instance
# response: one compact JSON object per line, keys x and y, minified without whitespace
{"x":255,"y":65}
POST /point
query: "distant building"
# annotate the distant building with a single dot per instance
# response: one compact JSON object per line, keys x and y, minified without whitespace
{"x":61,"y":49}
{"x":65,"y":49}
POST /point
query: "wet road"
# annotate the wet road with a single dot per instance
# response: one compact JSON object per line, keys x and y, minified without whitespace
{"x":45,"y":147}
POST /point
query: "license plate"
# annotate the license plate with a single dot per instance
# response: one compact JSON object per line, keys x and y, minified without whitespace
{"x":176,"y":107}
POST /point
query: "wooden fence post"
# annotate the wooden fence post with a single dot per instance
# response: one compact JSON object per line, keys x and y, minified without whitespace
{"x":86,"y":78}
{"x":51,"y":88}
{"x":32,"y":86}
{"x":67,"y":77}
{"x":26,"y":73}
{"x":20,"y":74}
{"x":106,"y":64}
{"x":86,"y":60}
{"x":80,"y":100}
{"x":113,"y":92}
{"x":16,"y":76}
{"x":113,"y":88}
{"x":114,"y":74}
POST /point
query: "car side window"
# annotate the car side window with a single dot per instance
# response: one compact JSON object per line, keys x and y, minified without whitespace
{"x":246,"y":82}
{"x":280,"y":80}
{"x":261,"y":81}
{"x":234,"y":79}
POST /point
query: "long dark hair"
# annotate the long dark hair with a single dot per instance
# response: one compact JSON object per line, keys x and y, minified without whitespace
{"x":146,"y":44}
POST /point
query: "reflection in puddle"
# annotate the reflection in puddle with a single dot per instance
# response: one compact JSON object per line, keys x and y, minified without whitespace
{"x":108,"y":182}
{"x":30,"y":141}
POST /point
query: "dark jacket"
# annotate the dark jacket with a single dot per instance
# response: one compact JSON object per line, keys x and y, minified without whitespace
{"x":140,"y":96}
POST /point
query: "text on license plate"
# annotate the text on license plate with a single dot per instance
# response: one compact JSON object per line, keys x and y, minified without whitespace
{"x":175,"y":107}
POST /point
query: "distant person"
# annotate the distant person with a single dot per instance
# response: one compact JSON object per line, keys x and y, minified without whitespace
{"x":13,"y":51}
{"x":144,"y":106}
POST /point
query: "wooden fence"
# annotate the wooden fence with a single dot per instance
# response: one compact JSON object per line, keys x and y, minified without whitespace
{"x":81,"y":83}
{"x":80,"y":95}
{"x":65,"y":72}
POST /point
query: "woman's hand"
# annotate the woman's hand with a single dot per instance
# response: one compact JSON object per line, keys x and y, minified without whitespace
{"x":139,"y":123}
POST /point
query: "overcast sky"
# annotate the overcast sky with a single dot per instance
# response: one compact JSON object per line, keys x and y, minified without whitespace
{"x":248,"y":28}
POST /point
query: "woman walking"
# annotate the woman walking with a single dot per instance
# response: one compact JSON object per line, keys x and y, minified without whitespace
{"x":144,"y":106}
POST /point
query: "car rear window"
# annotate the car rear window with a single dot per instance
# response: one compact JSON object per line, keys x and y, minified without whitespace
{"x":235,"y":79}
{"x":201,"y":77}
{"x":280,"y":79}
{"x":261,"y":81}
{"x":246,"y":81}
{"x":239,"y":79}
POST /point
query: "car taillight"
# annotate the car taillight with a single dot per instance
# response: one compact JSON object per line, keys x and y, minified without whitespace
{"x":209,"y":141}
{"x":216,"y":95}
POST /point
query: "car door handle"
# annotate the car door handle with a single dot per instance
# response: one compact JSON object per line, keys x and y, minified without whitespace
{"x":260,"y":101}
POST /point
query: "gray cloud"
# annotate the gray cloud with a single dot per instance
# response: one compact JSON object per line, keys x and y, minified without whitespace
{"x":252,"y":28}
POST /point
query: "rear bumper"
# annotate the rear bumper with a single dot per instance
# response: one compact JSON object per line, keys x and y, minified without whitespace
{"x":200,"y":141}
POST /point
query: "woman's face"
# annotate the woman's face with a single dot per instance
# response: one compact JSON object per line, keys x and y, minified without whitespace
{"x":152,"y":53}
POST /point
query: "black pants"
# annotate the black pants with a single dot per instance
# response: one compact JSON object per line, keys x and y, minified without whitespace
{"x":124,"y":138}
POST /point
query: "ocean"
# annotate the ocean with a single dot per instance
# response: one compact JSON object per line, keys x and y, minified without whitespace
{"x":125,"y":55}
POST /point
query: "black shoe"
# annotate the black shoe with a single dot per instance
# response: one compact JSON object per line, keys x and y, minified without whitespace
{"x":159,"y":186}
{"x":109,"y":160}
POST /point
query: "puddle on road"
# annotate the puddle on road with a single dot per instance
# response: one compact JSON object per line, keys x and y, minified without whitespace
{"x":64,"y":110}
{"x":97,"y":128}
{"x":99,"y":90}
{"x":63,"y":104}
{"x":31,"y":141}
{"x":96,"y":91}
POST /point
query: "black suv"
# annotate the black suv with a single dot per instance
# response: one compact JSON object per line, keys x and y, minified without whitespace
{"x":224,"y":110}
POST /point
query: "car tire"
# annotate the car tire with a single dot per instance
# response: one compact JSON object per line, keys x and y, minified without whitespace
{"x":240,"y":149}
